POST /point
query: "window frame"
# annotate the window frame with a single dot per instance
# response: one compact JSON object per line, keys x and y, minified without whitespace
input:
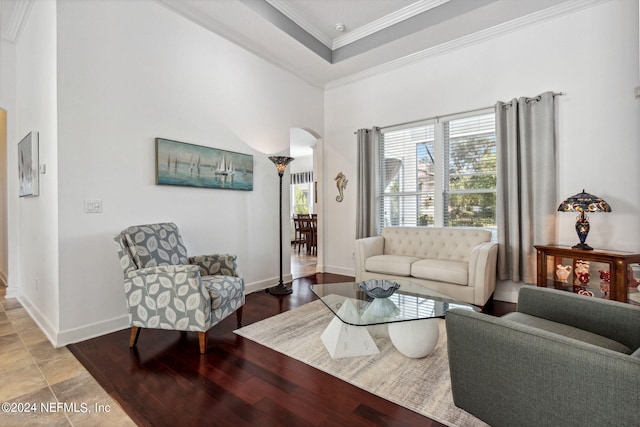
{"x":306,"y":187}
{"x":441,"y":192}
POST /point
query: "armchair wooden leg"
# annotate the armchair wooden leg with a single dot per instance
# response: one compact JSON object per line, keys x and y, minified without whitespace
{"x":204,"y":339}
{"x":239,"y":316}
{"x":135,"y":333}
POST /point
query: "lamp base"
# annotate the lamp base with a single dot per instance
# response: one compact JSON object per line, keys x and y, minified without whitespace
{"x":279,"y":289}
{"x":582,"y":246}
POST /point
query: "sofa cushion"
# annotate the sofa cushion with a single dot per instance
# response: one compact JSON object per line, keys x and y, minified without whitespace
{"x":442,"y":271}
{"x":397,"y":265}
{"x":636,"y":353}
{"x":448,"y":243}
{"x":567,"y":331}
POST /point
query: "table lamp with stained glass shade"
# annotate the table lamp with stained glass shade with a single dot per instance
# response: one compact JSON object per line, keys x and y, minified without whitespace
{"x":583,"y":203}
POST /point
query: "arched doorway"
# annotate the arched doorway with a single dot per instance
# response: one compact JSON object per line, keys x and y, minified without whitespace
{"x":305,"y":179}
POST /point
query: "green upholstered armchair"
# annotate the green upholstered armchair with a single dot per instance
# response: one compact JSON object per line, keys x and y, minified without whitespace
{"x":561,"y":360}
{"x":167,"y":289}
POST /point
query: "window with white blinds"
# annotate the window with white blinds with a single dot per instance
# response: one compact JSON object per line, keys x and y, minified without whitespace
{"x":439,"y":172}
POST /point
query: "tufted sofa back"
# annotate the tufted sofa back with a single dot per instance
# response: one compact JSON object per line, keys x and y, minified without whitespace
{"x":452,"y":244}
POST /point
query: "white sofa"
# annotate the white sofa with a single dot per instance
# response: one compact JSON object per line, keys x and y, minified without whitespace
{"x":458,"y":262}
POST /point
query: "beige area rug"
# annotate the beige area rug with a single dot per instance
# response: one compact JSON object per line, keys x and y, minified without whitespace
{"x":421,"y":385}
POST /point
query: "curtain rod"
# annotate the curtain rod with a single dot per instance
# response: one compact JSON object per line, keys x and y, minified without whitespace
{"x":430,"y":118}
{"x":530,"y":99}
{"x":423,"y":120}
{"x":462,"y":112}
{"x":436,"y":117}
{"x":537,"y":98}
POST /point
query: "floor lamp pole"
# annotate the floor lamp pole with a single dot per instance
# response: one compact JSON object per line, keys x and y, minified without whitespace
{"x":281,"y":163}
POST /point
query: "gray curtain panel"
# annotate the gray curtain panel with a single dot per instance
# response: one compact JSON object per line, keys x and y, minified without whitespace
{"x":367,"y":166}
{"x":526,"y":189}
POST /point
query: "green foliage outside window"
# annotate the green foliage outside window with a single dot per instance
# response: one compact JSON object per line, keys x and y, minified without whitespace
{"x":302,"y":200}
{"x":472,"y":166}
{"x":440,"y":173}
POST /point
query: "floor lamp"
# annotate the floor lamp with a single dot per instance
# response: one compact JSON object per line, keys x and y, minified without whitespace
{"x":281,"y":163}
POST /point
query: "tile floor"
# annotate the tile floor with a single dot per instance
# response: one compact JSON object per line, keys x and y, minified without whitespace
{"x":32,"y":372}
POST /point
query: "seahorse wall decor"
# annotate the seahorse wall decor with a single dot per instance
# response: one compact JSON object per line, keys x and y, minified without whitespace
{"x":341,"y":183}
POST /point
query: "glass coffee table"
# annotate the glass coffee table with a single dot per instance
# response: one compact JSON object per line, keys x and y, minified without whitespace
{"x":409,"y":318}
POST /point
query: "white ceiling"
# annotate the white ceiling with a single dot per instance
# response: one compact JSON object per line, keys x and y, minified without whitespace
{"x":301,"y":36}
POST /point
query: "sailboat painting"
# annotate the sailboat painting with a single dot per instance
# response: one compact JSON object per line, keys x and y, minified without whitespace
{"x":179,"y":163}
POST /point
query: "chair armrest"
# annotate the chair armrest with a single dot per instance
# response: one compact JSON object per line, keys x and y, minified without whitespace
{"x":615,"y":320}
{"x":504,"y":373}
{"x":216,"y":264}
{"x":365,"y":248}
{"x":169,"y":269}
{"x":482,"y":270}
{"x":168,"y":297}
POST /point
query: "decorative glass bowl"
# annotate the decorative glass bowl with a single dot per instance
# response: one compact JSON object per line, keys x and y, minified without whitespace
{"x":379,"y":288}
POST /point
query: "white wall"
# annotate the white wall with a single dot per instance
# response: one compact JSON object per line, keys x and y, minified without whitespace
{"x":127,"y":72}
{"x":302,"y":164}
{"x":100,"y":81}
{"x":10,"y":173}
{"x":4,"y":238}
{"x":591,"y":55}
{"x":37,"y":221}
{"x":130,"y":72}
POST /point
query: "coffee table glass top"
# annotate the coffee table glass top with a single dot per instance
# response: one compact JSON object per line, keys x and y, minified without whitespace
{"x":410,"y":302}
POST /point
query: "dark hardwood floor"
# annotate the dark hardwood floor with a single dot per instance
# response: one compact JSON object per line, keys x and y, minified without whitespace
{"x":166,"y":382}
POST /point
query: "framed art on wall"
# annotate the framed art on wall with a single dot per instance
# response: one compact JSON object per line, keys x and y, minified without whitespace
{"x":28,"y":177}
{"x":179,"y":163}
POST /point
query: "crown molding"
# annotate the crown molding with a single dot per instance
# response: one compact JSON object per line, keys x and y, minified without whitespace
{"x":398,"y":16}
{"x":386,"y":21}
{"x":303,"y":23}
{"x":562,"y":9}
{"x":18,"y":17}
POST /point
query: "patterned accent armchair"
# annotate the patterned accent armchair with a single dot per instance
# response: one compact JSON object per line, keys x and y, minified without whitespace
{"x":167,"y":289}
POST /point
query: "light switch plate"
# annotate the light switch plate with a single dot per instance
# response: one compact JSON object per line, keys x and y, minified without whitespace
{"x":93,"y":205}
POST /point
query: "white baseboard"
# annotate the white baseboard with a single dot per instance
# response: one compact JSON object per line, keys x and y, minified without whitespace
{"x":261,"y":285}
{"x":82,"y":333}
{"x":92,"y":330}
{"x":47,"y":328}
{"x":97,"y":329}
{"x":70,"y":336}
{"x":339,"y":270}
{"x":12,"y":292}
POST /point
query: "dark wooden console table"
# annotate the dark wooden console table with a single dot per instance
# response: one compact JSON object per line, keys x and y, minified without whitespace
{"x":621,"y":276}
